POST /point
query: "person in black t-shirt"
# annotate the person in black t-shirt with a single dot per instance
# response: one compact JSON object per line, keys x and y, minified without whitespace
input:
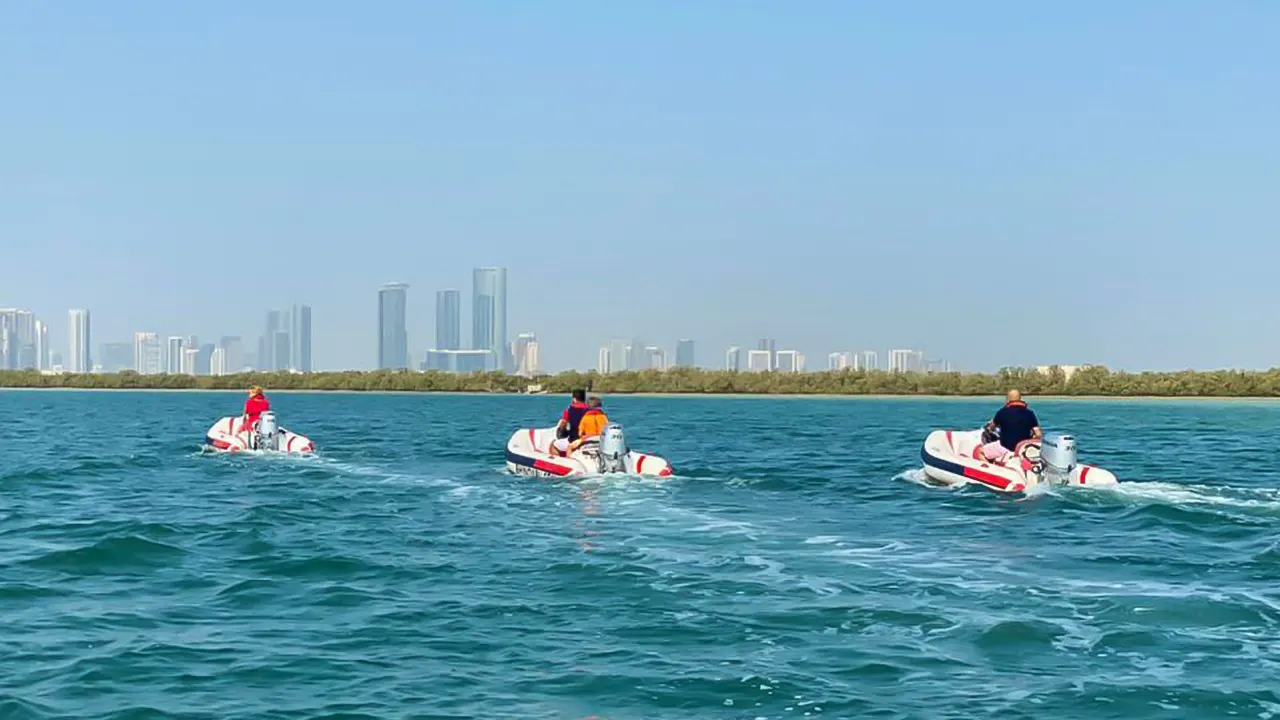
{"x":1016,"y":423}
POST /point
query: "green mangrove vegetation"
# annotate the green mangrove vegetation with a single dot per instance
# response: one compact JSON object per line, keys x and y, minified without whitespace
{"x":1086,"y":382}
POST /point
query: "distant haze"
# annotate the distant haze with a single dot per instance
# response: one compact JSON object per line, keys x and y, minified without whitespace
{"x":994,"y":183}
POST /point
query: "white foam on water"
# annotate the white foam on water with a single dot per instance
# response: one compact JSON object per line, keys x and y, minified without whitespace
{"x":918,"y":477}
{"x":1177,"y":494}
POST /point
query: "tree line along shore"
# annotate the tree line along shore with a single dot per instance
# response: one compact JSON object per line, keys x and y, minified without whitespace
{"x":1094,"y":381}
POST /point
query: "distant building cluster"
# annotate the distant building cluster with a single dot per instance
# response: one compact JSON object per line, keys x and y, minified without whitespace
{"x":24,"y":345}
{"x":489,"y":349}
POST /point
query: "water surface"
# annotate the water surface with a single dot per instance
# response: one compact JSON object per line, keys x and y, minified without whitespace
{"x":794,"y":568}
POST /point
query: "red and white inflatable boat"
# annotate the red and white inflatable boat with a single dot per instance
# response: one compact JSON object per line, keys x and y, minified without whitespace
{"x":529,"y":453}
{"x":231,"y":434}
{"x":955,"y":457}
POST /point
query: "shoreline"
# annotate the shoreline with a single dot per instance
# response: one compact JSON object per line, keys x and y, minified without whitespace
{"x":666,"y":395}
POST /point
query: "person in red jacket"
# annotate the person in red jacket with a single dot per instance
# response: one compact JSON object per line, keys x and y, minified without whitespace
{"x":254,"y":407}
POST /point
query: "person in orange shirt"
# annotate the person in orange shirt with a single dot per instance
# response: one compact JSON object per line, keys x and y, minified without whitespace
{"x":591,"y":425}
{"x":254,"y":407}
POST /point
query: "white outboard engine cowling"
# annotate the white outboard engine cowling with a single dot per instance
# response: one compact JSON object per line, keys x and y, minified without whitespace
{"x":268,"y":431}
{"x":613,"y":449}
{"x":1058,"y":454}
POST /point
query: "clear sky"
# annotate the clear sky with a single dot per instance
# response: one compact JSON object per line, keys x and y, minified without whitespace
{"x":993,"y":182}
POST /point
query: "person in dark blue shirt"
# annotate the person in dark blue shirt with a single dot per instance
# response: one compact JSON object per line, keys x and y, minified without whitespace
{"x":1016,"y":422}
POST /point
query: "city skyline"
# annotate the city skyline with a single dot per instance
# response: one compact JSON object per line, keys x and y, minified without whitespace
{"x":672,"y":201}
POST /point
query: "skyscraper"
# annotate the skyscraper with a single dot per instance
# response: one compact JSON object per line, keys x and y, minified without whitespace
{"x":489,"y":314}
{"x":526,"y":354}
{"x":204,"y":358}
{"x":684,"y":353}
{"x":280,"y":351}
{"x":277,"y":321}
{"x":448,"y":320}
{"x":393,"y":338}
{"x":733,"y":359}
{"x":173,"y":354}
{"x":146,"y":353}
{"x":771,"y":346}
{"x":300,"y":338}
{"x":604,"y":361}
{"x":42,"y":346}
{"x":115,"y":357}
{"x":233,"y":354}
{"x":78,"y":342}
{"x":218,"y":361}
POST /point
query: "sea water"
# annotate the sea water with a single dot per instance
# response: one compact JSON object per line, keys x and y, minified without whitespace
{"x":795,"y":567}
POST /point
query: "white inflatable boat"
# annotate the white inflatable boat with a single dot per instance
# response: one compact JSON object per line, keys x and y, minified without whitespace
{"x":231,"y":434}
{"x":528,"y":453}
{"x":955,"y":457}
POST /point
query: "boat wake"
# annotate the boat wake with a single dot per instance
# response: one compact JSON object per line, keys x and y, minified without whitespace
{"x":1253,"y":500}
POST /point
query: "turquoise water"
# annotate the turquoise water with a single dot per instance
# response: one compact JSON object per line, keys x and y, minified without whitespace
{"x":794,"y":568}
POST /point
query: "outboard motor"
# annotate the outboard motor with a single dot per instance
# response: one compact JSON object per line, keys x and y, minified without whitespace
{"x":1058,"y":456}
{"x":613,"y":449}
{"x":268,"y":431}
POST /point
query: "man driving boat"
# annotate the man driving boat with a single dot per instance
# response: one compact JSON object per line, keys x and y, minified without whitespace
{"x":567,"y":428}
{"x":1015,"y":423}
{"x":591,"y":425}
{"x":254,"y":407}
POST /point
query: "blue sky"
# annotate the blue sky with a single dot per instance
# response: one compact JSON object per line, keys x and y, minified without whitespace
{"x":994,"y":182}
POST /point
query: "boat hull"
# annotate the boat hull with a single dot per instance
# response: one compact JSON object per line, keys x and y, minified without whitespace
{"x":528,"y":455}
{"x":230,"y":435}
{"x":951,"y":457}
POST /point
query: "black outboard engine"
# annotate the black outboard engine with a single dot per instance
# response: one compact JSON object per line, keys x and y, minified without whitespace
{"x":1057,"y":458}
{"x":613,"y":449}
{"x":268,"y":434}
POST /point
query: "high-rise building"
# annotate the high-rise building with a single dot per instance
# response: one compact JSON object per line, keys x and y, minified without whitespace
{"x":489,"y":314}
{"x":448,"y":320}
{"x":17,"y":339}
{"x":684,"y":353}
{"x":759,"y":361}
{"x":115,"y":357}
{"x":870,"y":360}
{"x":204,"y":358}
{"x":189,"y":357}
{"x":281,"y":347}
{"x":906,"y":361}
{"x":78,"y":342}
{"x":173,"y":354}
{"x":618,"y":355}
{"x":232,"y":354}
{"x":655,"y":358}
{"x":146,"y":353}
{"x":393,"y":337}
{"x":300,"y":338}
{"x":267,"y":344}
{"x":42,"y":346}
{"x":770,"y":346}
{"x":733,"y":359}
{"x":526,"y":354}
{"x":789,"y":361}
{"x":842,"y":361}
{"x":604,"y":361}
{"x":218,"y":361}
{"x":637,"y":356}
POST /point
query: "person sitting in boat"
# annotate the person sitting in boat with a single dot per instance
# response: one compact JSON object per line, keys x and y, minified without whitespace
{"x":591,"y":425}
{"x":567,"y":428}
{"x":1015,"y":423}
{"x":254,"y":407}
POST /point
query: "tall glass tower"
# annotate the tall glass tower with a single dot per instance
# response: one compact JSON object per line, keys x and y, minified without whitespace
{"x":393,"y":338}
{"x":489,"y":315}
{"x":448,"y":320}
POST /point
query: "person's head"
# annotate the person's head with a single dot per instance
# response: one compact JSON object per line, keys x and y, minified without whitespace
{"x":255,"y":391}
{"x":580,"y":395}
{"x":1013,"y":396}
{"x":594,"y":401}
